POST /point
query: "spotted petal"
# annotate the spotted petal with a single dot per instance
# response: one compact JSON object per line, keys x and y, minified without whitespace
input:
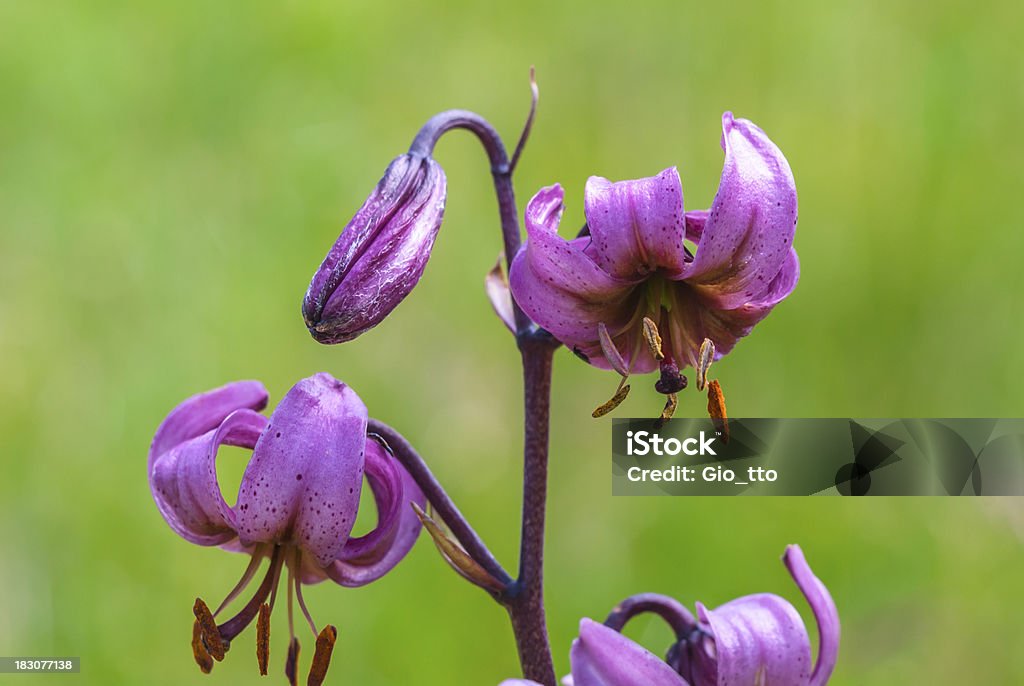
{"x":637,"y":226}
{"x":749,"y":230}
{"x":758,"y":639}
{"x":370,"y":557}
{"x":825,"y":614}
{"x":182,"y":458}
{"x":695,"y":315}
{"x":604,"y":657}
{"x":761,"y":639}
{"x":559,"y":286}
{"x":305,"y":476}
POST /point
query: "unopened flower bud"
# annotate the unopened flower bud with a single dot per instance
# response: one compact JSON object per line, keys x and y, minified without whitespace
{"x":381,"y":253}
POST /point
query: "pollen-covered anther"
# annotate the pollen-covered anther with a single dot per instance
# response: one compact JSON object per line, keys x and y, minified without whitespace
{"x":322,"y":655}
{"x":263,"y":638}
{"x":199,"y":652}
{"x":670,"y":408}
{"x":613,"y":402}
{"x":704,"y":360}
{"x":653,"y":338}
{"x":716,"y":409}
{"x":209,"y":633}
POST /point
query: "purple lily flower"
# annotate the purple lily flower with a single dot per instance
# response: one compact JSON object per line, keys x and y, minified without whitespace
{"x":627,"y":294}
{"x":761,"y":639}
{"x":297,"y":502}
{"x":604,"y":657}
{"x":380,"y":255}
{"x":756,"y":640}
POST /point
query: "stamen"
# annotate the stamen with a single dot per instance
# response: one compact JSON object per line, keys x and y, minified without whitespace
{"x":653,"y":338}
{"x":208,"y":630}
{"x":292,"y":662}
{"x":704,"y":360}
{"x":250,"y":572}
{"x":235,"y":625}
{"x":263,"y":638}
{"x":716,"y":408}
{"x":322,"y":655}
{"x":670,"y":409}
{"x":615,"y":401}
{"x":291,"y":611}
{"x":199,"y":651}
{"x":298,"y":591}
{"x":671,"y":380}
{"x":611,"y":353}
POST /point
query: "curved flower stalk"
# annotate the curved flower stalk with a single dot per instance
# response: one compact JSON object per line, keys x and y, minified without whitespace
{"x":381,"y":254}
{"x":628,"y":295}
{"x":297,"y":502}
{"x":756,"y":640}
{"x":375,"y":263}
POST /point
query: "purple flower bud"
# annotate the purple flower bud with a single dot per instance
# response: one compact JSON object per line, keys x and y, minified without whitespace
{"x":381,"y":253}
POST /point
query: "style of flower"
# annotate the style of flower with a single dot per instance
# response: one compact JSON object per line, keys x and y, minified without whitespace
{"x":296,"y":505}
{"x":756,"y":640}
{"x":629,"y":295}
{"x":380,"y":255}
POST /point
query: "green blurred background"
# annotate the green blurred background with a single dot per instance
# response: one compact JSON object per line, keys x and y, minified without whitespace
{"x":171,"y":174}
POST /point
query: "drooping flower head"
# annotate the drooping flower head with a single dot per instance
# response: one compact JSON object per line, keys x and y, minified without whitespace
{"x":381,"y":254}
{"x":756,"y":640}
{"x":297,"y":502}
{"x":628,"y":294}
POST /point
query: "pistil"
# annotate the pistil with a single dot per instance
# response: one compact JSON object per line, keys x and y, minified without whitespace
{"x":234,"y":626}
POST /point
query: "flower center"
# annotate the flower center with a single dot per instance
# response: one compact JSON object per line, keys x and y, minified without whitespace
{"x":211,"y":641}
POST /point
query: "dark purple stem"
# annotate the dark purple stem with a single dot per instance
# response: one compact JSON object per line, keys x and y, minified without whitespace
{"x":439,"y":499}
{"x":526,"y":602}
{"x":524,"y":598}
{"x":501,"y":170}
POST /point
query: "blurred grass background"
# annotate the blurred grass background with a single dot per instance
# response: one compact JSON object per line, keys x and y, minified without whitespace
{"x":171,"y":174}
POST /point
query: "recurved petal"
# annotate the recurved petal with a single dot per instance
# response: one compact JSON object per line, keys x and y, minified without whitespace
{"x":750,"y":226}
{"x":637,"y":225}
{"x":825,"y":613}
{"x":696,"y":314}
{"x":604,"y":657}
{"x":695,"y":222}
{"x":518,"y":682}
{"x":304,"y":479}
{"x":205,"y":411}
{"x":352,"y":571}
{"x":758,"y":639}
{"x":558,"y":285}
{"x":183,"y":480}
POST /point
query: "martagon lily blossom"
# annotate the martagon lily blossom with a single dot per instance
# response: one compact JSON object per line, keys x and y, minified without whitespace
{"x":756,"y":640}
{"x":628,"y":295}
{"x":297,"y":502}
